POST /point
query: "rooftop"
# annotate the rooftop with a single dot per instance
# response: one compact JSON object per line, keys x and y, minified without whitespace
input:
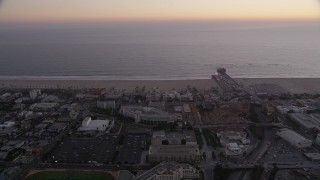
{"x":292,"y":136}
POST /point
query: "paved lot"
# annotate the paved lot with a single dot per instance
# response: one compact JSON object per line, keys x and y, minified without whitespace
{"x":281,"y":151}
{"x":97,"y":150}
{"x":132,"y":148}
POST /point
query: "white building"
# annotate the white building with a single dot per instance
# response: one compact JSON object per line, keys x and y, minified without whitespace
{"x":94,"y":125}
{"x":7,"y":124}
{"x":35,"y":93}
{"x":294,"y":138}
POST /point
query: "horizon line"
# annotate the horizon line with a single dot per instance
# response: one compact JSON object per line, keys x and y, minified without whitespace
{"x":88,"y":21}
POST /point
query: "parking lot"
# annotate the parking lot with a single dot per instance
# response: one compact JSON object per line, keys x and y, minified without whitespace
{"x":96,"y":150}
{"x":132,"y":148}
{"x":280,"y":152}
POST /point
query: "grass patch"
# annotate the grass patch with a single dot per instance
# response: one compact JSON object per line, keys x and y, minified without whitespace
{"x":71,"y":176}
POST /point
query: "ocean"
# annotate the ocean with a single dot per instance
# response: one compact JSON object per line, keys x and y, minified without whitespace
{"x":160,"y":50}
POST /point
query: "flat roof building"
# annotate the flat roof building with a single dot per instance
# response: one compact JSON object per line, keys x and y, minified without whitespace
{"x":94,"y":125}
{"x":179,"y":153}
{"x":147,"y":114}
{"x":294,"y":138}
{"x":7,"y":124}
{"x":34,"y":93}
{"x":43,"y":106}
{"x":106,"y":104}
{"x":313,"y":156}
{"x":170,"y":171}
{"x":305,"y":120}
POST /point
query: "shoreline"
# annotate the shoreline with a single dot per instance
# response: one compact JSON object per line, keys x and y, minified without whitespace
{"x":292,"y":85}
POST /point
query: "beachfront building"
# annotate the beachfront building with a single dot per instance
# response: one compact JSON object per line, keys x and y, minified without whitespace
{"x":147,"y":114}
{"x":294,"y":138}
{"x":94,"y":125}
{"x":34,"y":93}
{"x":170,"y":171}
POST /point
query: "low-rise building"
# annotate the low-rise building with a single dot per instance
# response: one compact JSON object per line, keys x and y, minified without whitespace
{"x":227,"y":136}
{"x":157,"y":104}
{"x":43,"y":106}
{"x":94,"y":125}
{"x":106,"y":104}
{"x":86,"y":97}
{"x":9,"y":146}
{"x":7,"y":124}
{"x":52,"y":99}
{"x":147,"y":114}
{"x":178,"y":153}
{"x":294,"y":138}
{"x":181,"y":147}
{"x":57,"y":127}
{"x":187,"y":97}
{"x":235,"y":144}
{"x":158,"y":134}
{"x":34,"y":93}
{"x":313,"y":156}
{"x":286,"y":109}
{"x":170,"y":171}
{"x":305,"y":120}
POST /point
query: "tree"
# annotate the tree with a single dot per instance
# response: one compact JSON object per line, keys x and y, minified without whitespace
{"x":204,"y":155}
{"x":165,"y":142}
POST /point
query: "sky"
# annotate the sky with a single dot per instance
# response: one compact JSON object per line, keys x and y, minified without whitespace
{"x":114,"y":10}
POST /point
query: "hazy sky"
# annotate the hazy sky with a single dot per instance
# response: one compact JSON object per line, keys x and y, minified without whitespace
{"x":96,"y":10}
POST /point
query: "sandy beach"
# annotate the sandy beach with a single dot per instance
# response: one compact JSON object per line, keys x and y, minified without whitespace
{"x":292,"y":85}
{"x":118,"y":84}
